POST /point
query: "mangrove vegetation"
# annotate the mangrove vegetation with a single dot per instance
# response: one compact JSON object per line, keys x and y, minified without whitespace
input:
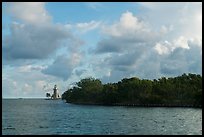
{"x":178,"y":91}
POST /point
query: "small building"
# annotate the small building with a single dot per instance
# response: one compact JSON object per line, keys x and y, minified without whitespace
{"x":55,"y":94}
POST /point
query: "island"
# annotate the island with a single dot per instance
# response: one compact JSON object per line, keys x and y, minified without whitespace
{"x":180,"y":91}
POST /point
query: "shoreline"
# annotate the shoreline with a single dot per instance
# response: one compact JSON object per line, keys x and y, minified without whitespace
{"x":138,"y":105}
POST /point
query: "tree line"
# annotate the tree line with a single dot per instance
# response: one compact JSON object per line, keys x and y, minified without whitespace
{"x":181,"y":90}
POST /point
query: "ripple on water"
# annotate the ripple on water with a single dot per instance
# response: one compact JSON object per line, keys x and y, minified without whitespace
{"x":41,"y":118}
{"x":9,"y":128}
{"x":43,"y":126}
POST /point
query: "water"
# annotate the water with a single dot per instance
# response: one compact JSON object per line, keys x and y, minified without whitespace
{"x":48,"y":117}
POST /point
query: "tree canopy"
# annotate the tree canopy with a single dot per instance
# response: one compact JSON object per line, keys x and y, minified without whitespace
{"x":181,"y":90}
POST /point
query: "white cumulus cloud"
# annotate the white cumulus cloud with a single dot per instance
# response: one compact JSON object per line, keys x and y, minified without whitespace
{"x":29,"y":12}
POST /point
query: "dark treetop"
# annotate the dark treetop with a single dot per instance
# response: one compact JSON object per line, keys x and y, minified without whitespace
{"x":185,"y":90}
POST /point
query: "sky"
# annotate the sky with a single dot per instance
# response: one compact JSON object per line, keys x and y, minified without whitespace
{"x":50,"y":43}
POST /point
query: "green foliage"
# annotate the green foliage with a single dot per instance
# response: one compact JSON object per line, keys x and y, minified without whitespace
{"x":48,"y":95}
{"x":181,"y":90}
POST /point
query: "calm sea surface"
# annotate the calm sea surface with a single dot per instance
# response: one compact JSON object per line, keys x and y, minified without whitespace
{"x":47,"y":117}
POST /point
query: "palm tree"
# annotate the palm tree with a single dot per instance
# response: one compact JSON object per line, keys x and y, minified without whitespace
{"x":48,"y":95}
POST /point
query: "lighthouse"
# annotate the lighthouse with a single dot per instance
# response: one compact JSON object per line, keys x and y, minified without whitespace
{"x":55,"y":94}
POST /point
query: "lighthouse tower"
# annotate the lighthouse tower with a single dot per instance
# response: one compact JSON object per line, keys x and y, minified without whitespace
{"x":55,"y":93}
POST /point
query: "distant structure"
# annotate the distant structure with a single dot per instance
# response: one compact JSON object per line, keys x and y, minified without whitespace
{"x":55,"y":94}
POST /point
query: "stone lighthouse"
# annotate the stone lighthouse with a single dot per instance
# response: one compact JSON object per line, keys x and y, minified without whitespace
{"x":55,"y":94}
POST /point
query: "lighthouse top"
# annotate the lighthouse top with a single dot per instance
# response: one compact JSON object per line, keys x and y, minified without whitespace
{"x":55,"y":87}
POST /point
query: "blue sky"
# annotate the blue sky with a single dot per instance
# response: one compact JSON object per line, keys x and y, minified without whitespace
{"x":62,"y":42}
